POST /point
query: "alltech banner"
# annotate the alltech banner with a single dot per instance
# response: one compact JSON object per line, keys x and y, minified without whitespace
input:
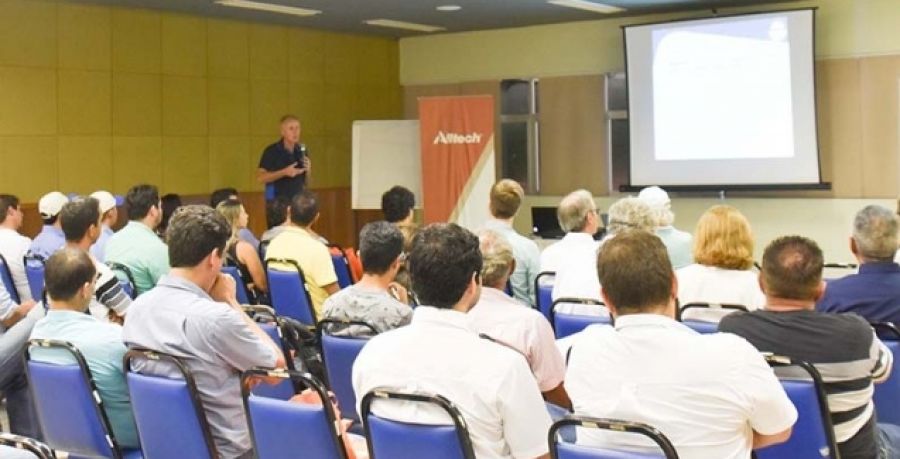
{"x":457,"y":135}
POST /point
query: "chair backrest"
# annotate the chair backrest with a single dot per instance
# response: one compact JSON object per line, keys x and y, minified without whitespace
{"x":34,"y":272}
{"x":562,"y":450}
{"x":284,"y":389}
{"x":288,"y":291}
{"x":719,"y":309}
{"x":565,"y":324}
{"x":813,"y":435}
{"x":341,"y":266}
{"x":126,"y":278}
{"x":389,"y":439}
{"x":241,"y":287}
{"x":168,"y":412}
{"x":68,"y":404}
{"x":701,"y":326}
{"x":263,"y":248}
{"x":887,"y":394}
{"x":281,"y":428}
{"x":7,"y":279}
{"x":38,"y":449}
{"x":338,"y":354}
{"x":543,"y":291}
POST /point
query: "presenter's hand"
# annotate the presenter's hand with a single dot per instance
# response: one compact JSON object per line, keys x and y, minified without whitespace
{"x":293,"y":171}
{"x":307,"y":164}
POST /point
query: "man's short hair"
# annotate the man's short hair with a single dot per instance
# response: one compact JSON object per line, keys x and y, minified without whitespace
{"x":7,"y":201}
{"x":397,"y":203}
{"x":506,"y":197}
{"x":443,"y":258}
{"x":630,"y":214}
{"x":288,"y":117}
{"x":573,"y":210}
{"x":66,"y":271}
{"x":220,"y":195}
{"x":276,"y":211}
{"x":875,"y":233}
{"x":380,"y":243}
{"x":77,"y":216}
{"x":304,"y":208}
{"x":193,"y":233}
{"x":635,"y":272}
{"x":792,"y":268}
{"x":723,"y":239}
{"x":496,"y":256}
{"x":140,"y":199}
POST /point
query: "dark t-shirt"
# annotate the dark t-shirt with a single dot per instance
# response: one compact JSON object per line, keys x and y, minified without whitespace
{"x":845,"y":342}
{"x":276,"y":157}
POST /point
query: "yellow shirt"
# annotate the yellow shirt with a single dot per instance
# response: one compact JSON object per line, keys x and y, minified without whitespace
{"x":297,"y":244}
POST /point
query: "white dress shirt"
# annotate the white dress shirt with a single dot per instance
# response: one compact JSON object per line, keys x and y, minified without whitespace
{"x":13,"y":247}
{"x":708,"y":284}
{"x":490,"y":384}
{"x":705,"y":393}
{"x":574,"y":259}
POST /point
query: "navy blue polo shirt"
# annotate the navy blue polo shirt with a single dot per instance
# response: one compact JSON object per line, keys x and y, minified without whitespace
{"x":276,"y":157}
{"x":874,"y":293}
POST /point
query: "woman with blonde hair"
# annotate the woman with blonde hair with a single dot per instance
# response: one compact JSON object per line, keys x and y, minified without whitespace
{"x":241,"y":254}
{"x":723,"y":258}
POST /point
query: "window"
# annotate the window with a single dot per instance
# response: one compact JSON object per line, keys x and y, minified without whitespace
{"x":520,"y":133}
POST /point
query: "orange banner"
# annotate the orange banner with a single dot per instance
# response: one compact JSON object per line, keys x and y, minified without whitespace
{"x":457,"y":136}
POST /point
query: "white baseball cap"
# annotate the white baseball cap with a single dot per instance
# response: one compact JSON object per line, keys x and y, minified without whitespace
{"x":51,"y":203}
{"x":107,"y":200}
{"x":655,"y":197}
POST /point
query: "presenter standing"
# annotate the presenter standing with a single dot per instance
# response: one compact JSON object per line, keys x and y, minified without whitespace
{"x":285,"y":164}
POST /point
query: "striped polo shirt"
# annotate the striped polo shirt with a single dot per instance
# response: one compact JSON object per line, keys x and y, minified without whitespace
{"x":844,"y":349}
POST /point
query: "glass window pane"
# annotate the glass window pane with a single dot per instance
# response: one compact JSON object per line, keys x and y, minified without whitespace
{"x":514,"y":97}
{"x":515,"y":151}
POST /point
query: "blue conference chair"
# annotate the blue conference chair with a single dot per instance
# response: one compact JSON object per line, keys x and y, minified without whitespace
{"x":564,"y":450}
{"x":125,"y":276}
{"x":389,"y":439}
{"x":341,"y":266}
{"x":338,"y":354}
{"x":240,"y":287}
{"x":565,"y":324}
{"x":887,"y":394}
{"x":69,"y":406}
{"x":813,"y":434}
{"x":7,"y":279}
{"x":168,"y":412}
{"x":34,"y":272}
{"x":270,"y":323}
{"x":282,"y":429}
{"x":288,"y":291}
{"x":36,"y":448}
{"x":543,"y":291}
{"x":722,"y":309}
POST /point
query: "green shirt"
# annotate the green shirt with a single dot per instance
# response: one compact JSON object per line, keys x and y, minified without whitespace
{"x":142,"y":251}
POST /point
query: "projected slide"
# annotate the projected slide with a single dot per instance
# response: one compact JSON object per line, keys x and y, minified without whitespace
{"x":723,"y":91}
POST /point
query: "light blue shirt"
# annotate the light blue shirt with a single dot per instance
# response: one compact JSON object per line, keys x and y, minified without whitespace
{"x":679,"y":244}
{"x":142,"y":251}
{"x":102,"y":347}
{"x":528,"y":260}
{"x":47,"y":242}
{"x":98,"y":250}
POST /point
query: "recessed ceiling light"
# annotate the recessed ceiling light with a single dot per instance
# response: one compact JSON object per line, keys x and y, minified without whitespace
{"x":403,"y":25}
{"x":449,"y":8}
{"x":272,"y":8}
{"x":588,"y":6}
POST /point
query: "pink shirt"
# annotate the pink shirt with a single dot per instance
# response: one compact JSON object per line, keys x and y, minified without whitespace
{"x":516,"y":325}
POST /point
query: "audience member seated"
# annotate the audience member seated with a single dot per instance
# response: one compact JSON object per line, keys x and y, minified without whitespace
{"x":241,"y":254}
{"x":223,"y":194}
{"x":678,"y":243}
{"x":69,"y":280}
{"x":512,"y":323}
{"x":440,"y":353}
{"x":874,"y":293}
{"x":51,"y":237}
{"x":169,"y":203}
{"x":136,"y":245}
{"x":573,"y":257}
{"x":109,"y":210}
{"x":301,"y":245}
{"x":376,"y":298}
{"x":81,"y":224}
{"x":723,"y":255}
{"x":843,"y":347}
{"x":193,"y":314}
{"x":276,"y":218}
{"x":712,"y":395}
{"x":397,"y":205}
{"x":16,"y":322}
{"x":14,"y":246}
{"x":505,"y":199}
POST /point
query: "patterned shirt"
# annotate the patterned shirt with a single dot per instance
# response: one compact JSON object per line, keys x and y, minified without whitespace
{"x":375,"y":307}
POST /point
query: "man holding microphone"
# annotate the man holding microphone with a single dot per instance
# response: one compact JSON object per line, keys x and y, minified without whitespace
{"x":284,"y":165}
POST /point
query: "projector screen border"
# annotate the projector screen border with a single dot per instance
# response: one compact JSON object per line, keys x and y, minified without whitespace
{"x":823,"y":186}
{"x":713,"y":16}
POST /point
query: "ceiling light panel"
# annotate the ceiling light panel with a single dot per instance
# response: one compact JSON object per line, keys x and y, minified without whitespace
{"x":587,"y":6}
{"x":403,"y":25}
{"x":269,"y":7}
